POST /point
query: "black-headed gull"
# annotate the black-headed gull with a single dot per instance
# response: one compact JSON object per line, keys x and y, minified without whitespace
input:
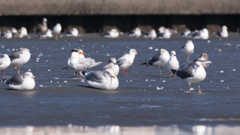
{"x":188,"y":49}
{"x":102,"y":79}
{"x":173,"y":63}
{"x":127,"y":60}
{"x":21,"y":82}
{"x":223,"y":33}
{"x":4,"y":62}
{"x":20,"y":58}
{"x":112,"y":64}
{"x":159,"y":60}
{"x":193,"y":73}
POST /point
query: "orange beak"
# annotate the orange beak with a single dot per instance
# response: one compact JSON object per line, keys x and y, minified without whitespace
{"x":137,"y":54}
{"x":81,"y":53}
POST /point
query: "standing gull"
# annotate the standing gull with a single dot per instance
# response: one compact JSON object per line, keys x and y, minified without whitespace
{"x":223,"y":33}
{"x":173,"y":63}
{"x":126,"y":60}
{"x":112,"y":64}
{"x":103,"y":79}
{"x":21,"y":82}
{"x":193,"y":73}
{"x":4,"y":62}
{"x":188,"y":48}
{"x":160,"y":60}
{"x":57,"y":30}
{"x":42,"y":28}
{"x":20,"y":58}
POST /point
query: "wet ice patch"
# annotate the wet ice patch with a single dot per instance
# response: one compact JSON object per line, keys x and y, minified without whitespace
{"x":222,"y":81}
{"x":160,"y":88}
{"x":150,"y":48}
{"x":221,"y":71}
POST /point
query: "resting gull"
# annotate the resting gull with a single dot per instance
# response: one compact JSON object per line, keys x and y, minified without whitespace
{"x":160,"y":60}
{"x":4,"y":62}
{"x":73,"y":32}
{"x":223,"y":33}
{"x":150,"y":34}
{"x":21,"y":82}
{"x":164,"y":33}
{"x":127,"y":60}
{"x":202,"y":34}
{"x":20,"y":58}
{"x":112,"y":64}
{"x":188,"y":48}
{"x":103,"y":79}
{"x":135,"y":32}
{"x":193,"y":73}
{"x":173,"y":63}
{"x":113,"y":33}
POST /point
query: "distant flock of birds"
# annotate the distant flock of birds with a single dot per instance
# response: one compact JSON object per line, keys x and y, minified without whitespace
{"x":163,"y":33}
{"x":106,"y":78}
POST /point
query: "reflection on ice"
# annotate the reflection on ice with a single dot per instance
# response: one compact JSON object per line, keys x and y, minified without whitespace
{"x":118,"y":130}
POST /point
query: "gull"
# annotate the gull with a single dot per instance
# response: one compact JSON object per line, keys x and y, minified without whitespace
{"x":159,"y":60}
{"x":20,"y":58}
{"x":127,"y":60}
{"x":42,"y":28}
{"x":135,"y":32}
{"x":188,"y":49}
{"x":164,"y":33}
{"x":112,"y":64}
{"x":193,"y":73}
{"x":113,"y":33}
{"x":24,"y":31}
{"x":47,"y":34}
{"x":14,"y":31}
{"x":173,"y":63}
{"x":185,"y":33}
{"x":73,"y":32}
{"x":223,"y":33}
{"x":57,"y":30}
{"x":21,"y":82}
{"x":150,"y":34}
{"x":103,"y":79}
{"x":7,"y":34}
{"x":203,"y":56}
{"x":202,"y":34}
{"x":4,"y":62}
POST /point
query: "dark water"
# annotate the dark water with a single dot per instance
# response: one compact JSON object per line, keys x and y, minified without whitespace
{"x":143,"y":98}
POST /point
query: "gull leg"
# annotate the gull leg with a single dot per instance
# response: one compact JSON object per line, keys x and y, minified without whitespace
{"x":170,"y":75}
{"x":18,"y":69}
{"x":56,"y":37}
{"x":188,"y":58}
{"x":15,"y":67}
{"x":2,"y":73}
{"x":123,"y":71}
{"x":199,"y":91}
{"x":160,"y":71}
{"x":126,"y":71}
{"x":75,"y":73}
{"x":189,"y":87}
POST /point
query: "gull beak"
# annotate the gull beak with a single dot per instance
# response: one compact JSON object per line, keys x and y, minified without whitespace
{"x":34,"y":77}
{"x":81,"y":53}
{"x":113,"y":77}
{"x":137,"y":54}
